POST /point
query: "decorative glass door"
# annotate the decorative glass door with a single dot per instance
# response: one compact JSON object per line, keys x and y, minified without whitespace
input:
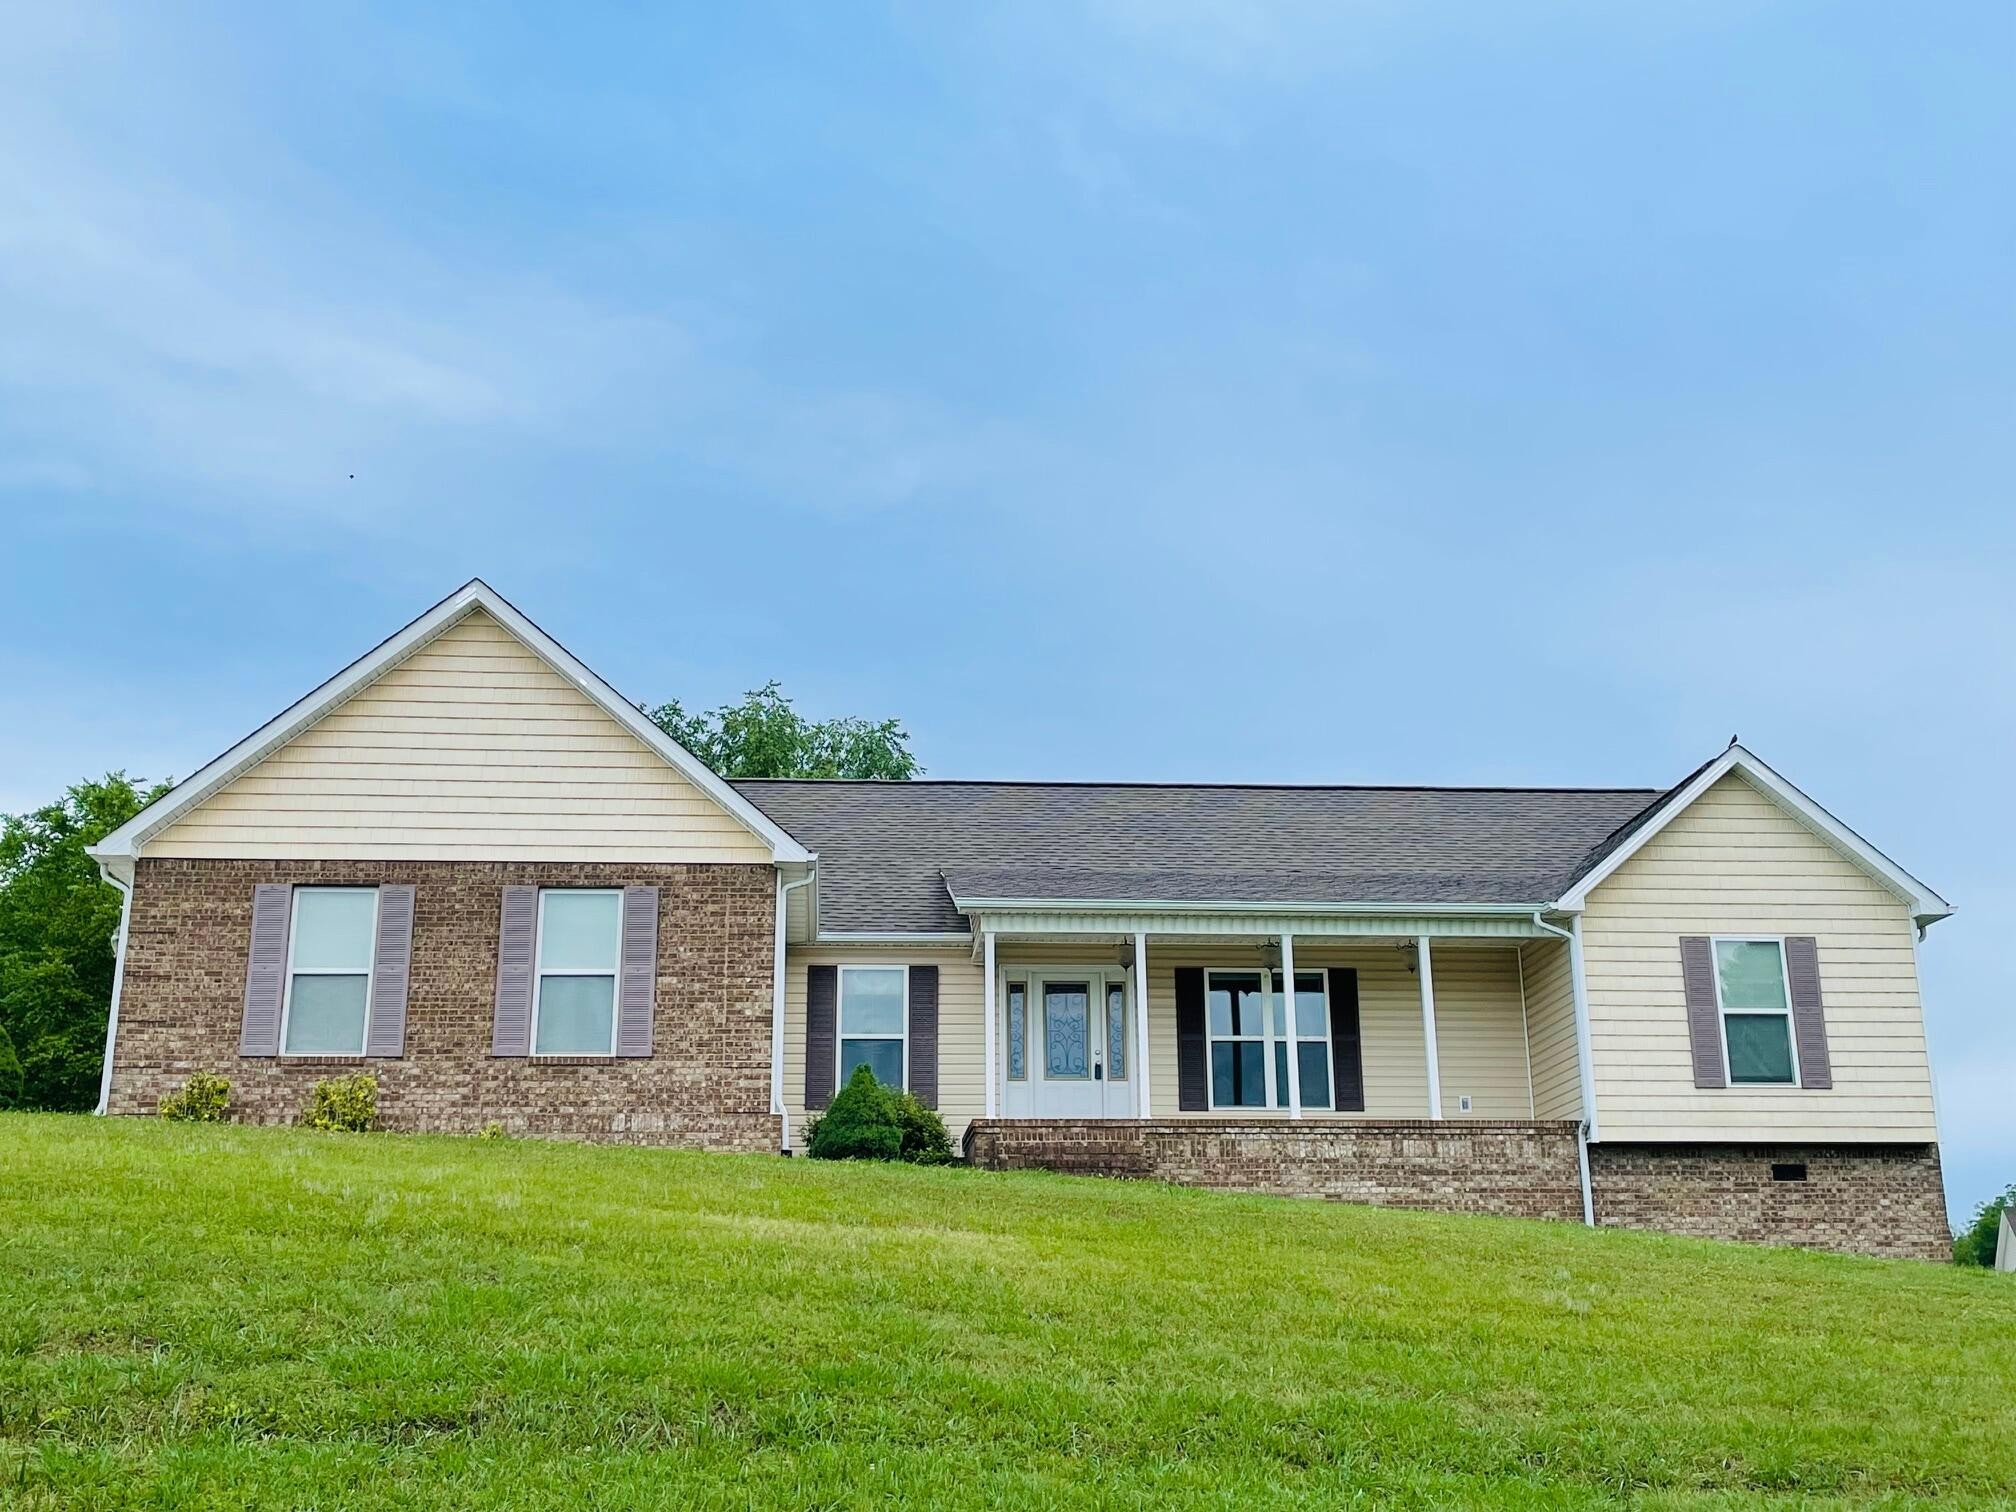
{"x":1069,"y":1040}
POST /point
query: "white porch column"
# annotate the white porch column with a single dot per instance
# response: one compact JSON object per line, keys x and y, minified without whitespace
{"x":1145,"y":1108}
{"x":993,"y":1019}
{"x":1288,"y":1023}
{"x":1428,"y":1026}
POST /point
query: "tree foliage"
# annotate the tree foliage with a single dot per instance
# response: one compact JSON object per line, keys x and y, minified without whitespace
{"x":57,"y":922}
{"x":764,"y":736}
{"x":1975,"y":1244}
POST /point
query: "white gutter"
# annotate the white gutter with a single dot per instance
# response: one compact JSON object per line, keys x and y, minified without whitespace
{"x":784,"y":891}
{"x":1228,"y":905}
{"x":118,"y":982}
{"x":1585,"y":1063}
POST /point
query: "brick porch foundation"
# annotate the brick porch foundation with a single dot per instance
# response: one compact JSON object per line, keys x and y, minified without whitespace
{"x":1516,"y":1169}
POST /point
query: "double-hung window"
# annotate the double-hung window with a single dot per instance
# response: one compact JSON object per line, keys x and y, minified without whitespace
{"x":1252,"y":1042}
{"x":1756,"y":1013}
{"x":874,"y":1015}
{"x":579,"y":945}
{"x":330,"y":939}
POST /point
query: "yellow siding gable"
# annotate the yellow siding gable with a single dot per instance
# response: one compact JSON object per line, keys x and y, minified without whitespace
{"x":472,"y":748}
{"x":1735,"y":863}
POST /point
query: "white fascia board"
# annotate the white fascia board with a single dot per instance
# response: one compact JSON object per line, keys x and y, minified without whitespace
{"x":126,"y":841}
{"x":882,"y":937}
{"x":1925,"y":904}
{"x":1230,"y":905}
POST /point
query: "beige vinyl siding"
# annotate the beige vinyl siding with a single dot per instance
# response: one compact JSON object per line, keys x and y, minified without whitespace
{"x":1480,"y":1033}
{"x":1480,"y":1039}
{"x":1735,"y":863}
{"x":1550,"y":1028}
{"x":470,"y":749}
{"x":962,"y":1045}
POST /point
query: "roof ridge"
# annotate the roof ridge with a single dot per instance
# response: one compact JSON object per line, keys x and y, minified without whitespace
{"x":1290,"y":787}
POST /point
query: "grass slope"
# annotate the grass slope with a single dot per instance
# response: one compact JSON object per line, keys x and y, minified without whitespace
{"x":243,"y":1317}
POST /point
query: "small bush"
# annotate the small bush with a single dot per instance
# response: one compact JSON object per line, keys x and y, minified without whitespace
{"x":343,"y":1104}
{"x":925,"y":1141}
{"x":11,"y":1079}
{"x":203,"y":1099}
{"x":860,"y":1125}
{"x":493,"y":1130}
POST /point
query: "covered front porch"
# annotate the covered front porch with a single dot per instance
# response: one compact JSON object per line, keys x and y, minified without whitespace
{"x":1099,"y":1015}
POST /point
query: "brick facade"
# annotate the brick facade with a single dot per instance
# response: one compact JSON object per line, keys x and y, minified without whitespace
{"x":1855,"y":1199}
{"x":1522,"y":1170}
{"x":707,"y":1082}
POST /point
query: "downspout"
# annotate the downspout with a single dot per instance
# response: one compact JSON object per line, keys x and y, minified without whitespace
{"x":118,"y":981}
{"x":1585,"y":1064}
{"x":784,"y":891}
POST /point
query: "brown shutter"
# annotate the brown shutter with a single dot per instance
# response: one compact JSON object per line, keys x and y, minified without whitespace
{"x":511,"y":1025}
{"x":1193,"y":1094}
{"x":1704,"y":1019}
{"x":822,"y":1001}
{"x":391,"y":971}
{"x":923,"y":1068}
{"x":1347,"y":1044}
{"x":1809,"y":1019}
{"x":266,"y":969}
{"x":637,"y":985}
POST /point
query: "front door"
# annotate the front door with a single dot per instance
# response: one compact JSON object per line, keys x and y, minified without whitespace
{"x":1069,"y":1034}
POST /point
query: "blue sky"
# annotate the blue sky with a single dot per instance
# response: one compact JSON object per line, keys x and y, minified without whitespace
{"x":1148,"y":388}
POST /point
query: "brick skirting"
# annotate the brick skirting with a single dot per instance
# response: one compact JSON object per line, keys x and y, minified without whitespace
{"x":1884,"y":1200}
{"x":1853,"y":1199}
{"x":1517,"y":1169}
{"x":706,"y":1083}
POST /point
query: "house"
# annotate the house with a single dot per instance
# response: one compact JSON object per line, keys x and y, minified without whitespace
{"x":2005,"y":1241}
{"x":469,"y":865}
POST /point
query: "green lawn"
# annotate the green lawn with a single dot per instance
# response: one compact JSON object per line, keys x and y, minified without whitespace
{"x":240,"y":1317}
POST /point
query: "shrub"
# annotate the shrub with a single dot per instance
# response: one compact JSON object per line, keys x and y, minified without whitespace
{"x":925,"y":1141}
{"x":343,"y":1104}
{"x":493,"y":1130}
{"x":860,"y":1125}
{"x":11,"y":1080}
{"x":1975,"y":1244}
{"x":203,"y":1099}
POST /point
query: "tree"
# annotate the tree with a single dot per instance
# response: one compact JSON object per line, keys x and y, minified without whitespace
{"x":57,"y":922}
{"x":1975,"y":1244}
{"x":763,"y":736}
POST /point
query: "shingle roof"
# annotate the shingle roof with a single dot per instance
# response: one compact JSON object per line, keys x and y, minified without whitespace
{"x":891,"y":854}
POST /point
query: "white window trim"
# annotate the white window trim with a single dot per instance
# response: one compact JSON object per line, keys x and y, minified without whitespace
{"x":840,"y":1034}
{"x":1269,"y":976}
{"x":540,"y":973}
{"x":287,"y":987}
{"x":1722,"y":1013}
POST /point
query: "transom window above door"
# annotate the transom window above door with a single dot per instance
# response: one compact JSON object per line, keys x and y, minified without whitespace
{"x":1251,"y":1040}
{"x":874,"y":1021}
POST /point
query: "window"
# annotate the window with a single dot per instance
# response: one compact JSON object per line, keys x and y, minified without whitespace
{"x":1248,"y":1029}
{"x":1116,"y":1032}
{"x":1018,"y":1031}
{"x":874,"y":1014}
{"x":329,"y":949}
{"x":580,"y":942}
{"x":1756,"y":1012}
